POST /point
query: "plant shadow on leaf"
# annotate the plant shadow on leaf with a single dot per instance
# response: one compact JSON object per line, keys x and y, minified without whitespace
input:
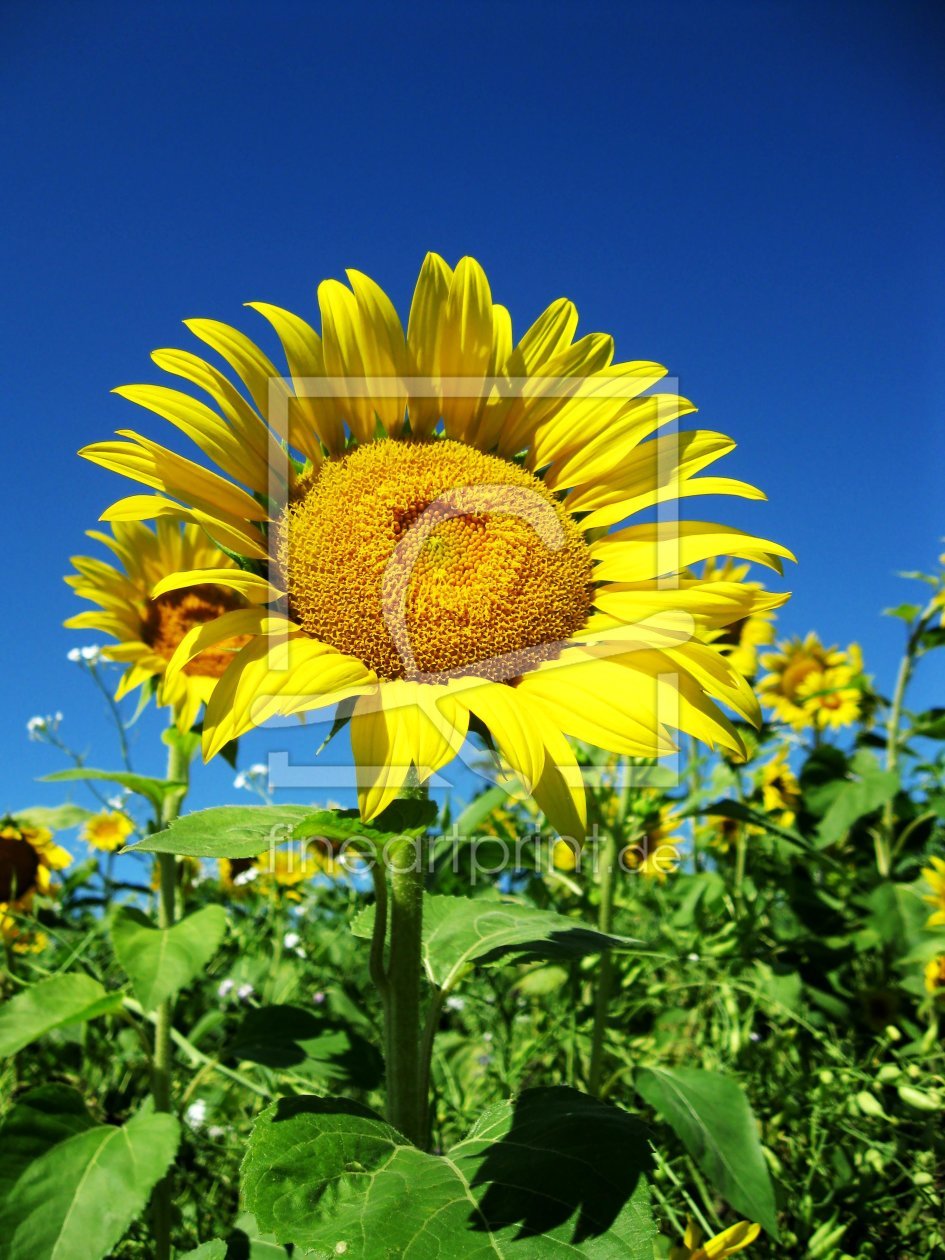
{"x":313,"y":1045}
{"x":562,"y":1156}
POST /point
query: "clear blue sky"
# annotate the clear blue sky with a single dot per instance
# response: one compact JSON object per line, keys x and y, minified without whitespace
{"x":751,"y":193}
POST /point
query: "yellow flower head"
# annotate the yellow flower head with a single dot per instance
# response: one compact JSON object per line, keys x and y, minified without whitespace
{"x":108,"y":831}
{"x":237,"y":875}
{"x":809,"y":685}
{"x":740,"y":640}
{"x":285,"y":867}
{"x":28,"y":856}
{"x":780,"y":789}
{"x":655,"y":854}
{"x":150,"y":625}
{"x":935,"y":878}
{"x":424,"y":518}
{"x":935,"y":975}
{"x":722,"y":833}
{"x":731,"y":1240}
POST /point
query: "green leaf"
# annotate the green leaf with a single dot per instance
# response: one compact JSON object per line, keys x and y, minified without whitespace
{"x":78,"y":1197}
{"x":39,"y":1120}
{"x":855,"y":799}
{"x":930,"y":724}
{"x":905,"y":612}
{"x":244,"y":1243}
{"x":160,"y":961}
{"x":551,"y":1173}
{"x":154,"y":790}
{"x":67,"y":999}
{"x":460,"y":931}
{"x":309,"y":1044}
{"x":230,"y":831}
{"x":710,"y":1115}
{"x":54,"y":817}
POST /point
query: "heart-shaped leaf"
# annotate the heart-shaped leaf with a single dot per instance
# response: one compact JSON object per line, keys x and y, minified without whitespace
{"x":59,"y":1000}
{"x":711,"y":1116}
{"x":160,"y":961}
{"x":550,"y":1174}
{"x":460,"y":931}
{"x":79,"y":1195}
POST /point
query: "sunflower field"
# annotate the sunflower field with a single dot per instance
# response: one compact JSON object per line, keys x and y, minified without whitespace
{"x":630,"y":941}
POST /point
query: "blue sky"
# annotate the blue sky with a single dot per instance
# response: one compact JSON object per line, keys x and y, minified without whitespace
{"x":750,"y":193}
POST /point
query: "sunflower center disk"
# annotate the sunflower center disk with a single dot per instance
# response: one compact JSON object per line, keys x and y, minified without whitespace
{"x":431,"y":559}
{"x":170,"y":616}
{"x":19,"y":863}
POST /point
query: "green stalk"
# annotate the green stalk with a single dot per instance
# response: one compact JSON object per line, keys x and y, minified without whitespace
{"x":178,"y":769}
{"x":605,"y":921}
{"x":884,"y":841}
{"x":406,"y":1103}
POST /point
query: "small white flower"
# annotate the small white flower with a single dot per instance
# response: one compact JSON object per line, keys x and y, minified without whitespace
{"x":245,"y":992}
{"x":693,"y":957}
{"x":215,"y":1132}
{"x":42,"y":728}
{"x":256,"y":776}
{"x":225,"y":987}
{"x":454,"y":1003}
{"x":118,"y":801}
{"x":74,"y":655}
{"x":36,"y":727}
{"x":90,"y":654}
{"x":291,"y":939}
{"x":240,"y":780}
{"x":245,"y":877}
{"x":318,"y":998}
{"x":196,"y":1113}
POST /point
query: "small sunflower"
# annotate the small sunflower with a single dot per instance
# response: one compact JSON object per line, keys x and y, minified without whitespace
{"x":935,"y":975}
{"x":723,"y":834}
{"x":935,"y":878}
{"x":237,"y":875}
{"x":735,"y":1238}
{"x":283,"y":869}
{"x":780,"y":790}
{"x":655,"y":853}
{"x":809,"y":685}
{"x":108,"y":831}
{"x":433,"y":509}
{"x":149,"y":629}
{"x":28,"y":856}
{"x":740,"y":640}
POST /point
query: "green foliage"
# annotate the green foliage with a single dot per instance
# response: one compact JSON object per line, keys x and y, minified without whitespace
{"x":153,"y":790}
{"x":73,"y":1186}
{"x":50,"y":1004}
{"x":160,"y":961}
{"x":528,"y":1181}
{"x":711,"y":1116}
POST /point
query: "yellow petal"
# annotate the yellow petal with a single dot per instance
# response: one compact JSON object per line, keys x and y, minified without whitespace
{"x":465,"y":347}
{"x":244,"y":539}
{"x":386,"y":352}
{"x":424,"y":329}
{"x":736,"y":1238}
{"x":647,"y":551}
{"x":252,"y":586}
{"x":265,"y":382}
{"x":547,"y":392}
{"x":230,"y":625}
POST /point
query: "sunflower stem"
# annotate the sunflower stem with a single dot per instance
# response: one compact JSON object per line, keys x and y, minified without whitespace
{"x":605,"y":976}
{"x":178,"y":770}
{"x":406,"y":1103}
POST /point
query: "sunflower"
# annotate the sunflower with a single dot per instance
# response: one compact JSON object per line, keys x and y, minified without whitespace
{"x":935,"y":878}
{"x":107,"y":831}
{"x":735,"y":1238}
{"x":723,"y":834}
{"x":935,"y":975}
{"x":236,"y":875}
{"x":780,"y":790}
{"x":149,"y":629}
{"x":740,"y":640}
{"x":28,"y":856}
{"x":655,"y":852}
{"x":283,"y":868}
{"x":423,"y":525}
{"x":809,"y":685}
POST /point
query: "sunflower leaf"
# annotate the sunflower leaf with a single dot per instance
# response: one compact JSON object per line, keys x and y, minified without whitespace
{"x":154,"y":790}
{"x":59,"y":1000}
{"x":552,"y":1172}
{"x":461,"y":931}
{"x":161,"y":961}
{"x":710,"y":1115}
{"x":54,"y":817}
{"x":228,"y":831}
{"x":78,"y":1196}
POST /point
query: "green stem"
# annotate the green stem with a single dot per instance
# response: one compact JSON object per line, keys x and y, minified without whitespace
{"x":178,"y":769}
{"x":605,"y":921}
{"x":406,"y":1104}
{"x":884,"y":841}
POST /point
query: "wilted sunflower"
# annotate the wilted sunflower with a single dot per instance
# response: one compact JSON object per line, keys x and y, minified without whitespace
{"x":28,"y":856}
{"x":107,"y":831}
{"x":149,"y":628}
{"x":812,"y":685}
{"x":735,"y":1238}
{"x":437,"y":543}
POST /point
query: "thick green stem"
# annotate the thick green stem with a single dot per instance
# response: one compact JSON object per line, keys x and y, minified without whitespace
{"x":178,"y":767}
{"x":406,"y":1103}
{"x":605,"y":976}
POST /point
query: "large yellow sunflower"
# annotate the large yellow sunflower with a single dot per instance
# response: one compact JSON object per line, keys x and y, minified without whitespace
{"x":808,"y":684}
{"x":424,"y":519}
{"x":150,"y":628}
